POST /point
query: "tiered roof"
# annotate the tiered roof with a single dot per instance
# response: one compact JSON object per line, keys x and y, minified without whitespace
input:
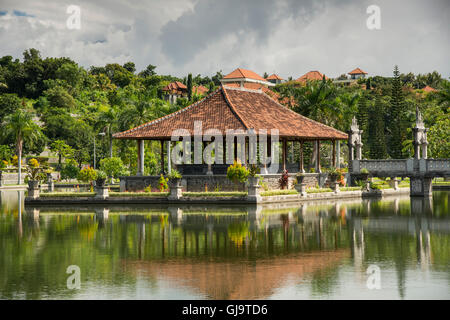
{"x":357,"y":71}
{"x":312,"y":75}
{"x":274,"y":77}
{"x":235,"y":108}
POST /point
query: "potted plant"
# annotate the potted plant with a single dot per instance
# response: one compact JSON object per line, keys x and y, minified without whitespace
{"x":300,"y":177}
{"x":334,"y":174}
{"x":364,"y":174}
{"x":174,"y":178}
{"x":253,"y":172}
{"x":101,"y":178}
{"x":34,"y":174}
{"x":87,"y":174}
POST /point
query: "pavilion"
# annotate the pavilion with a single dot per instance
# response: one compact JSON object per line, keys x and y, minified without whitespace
{"x":232,"y":107}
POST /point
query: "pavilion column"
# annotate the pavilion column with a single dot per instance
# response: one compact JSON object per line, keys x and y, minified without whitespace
{"x":338,"y":153}
{"x":162,"y":156}
{"x":140,"y":171}
{"x":292,"y":152}
{"x":169,"y":160}
{"x":224,"y":146}
{"x":301,"y":167}
{"x":318,"y":156}
{"x":333,"y":160}
{"x":235,"y":149}
{"x":284,"y":154}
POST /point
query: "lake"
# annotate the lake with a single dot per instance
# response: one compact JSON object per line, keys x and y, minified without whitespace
{"x":392,"y":248}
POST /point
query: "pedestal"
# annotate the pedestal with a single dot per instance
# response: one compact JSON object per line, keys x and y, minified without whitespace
{"x":102,"y":193}
{"x":335,"y":187}
{"x":253,"y":190}
{"x":301,"y":188}
{"x":175,"y":192}
{"x":33,"y":193}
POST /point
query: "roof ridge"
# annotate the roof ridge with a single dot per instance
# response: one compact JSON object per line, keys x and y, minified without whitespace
{"x":302,"y":116}
{"x":168,"y":116}
{"x":233,"y":109}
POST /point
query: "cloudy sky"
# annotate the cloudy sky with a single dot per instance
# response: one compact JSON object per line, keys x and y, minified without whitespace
{"x":288,"y":37}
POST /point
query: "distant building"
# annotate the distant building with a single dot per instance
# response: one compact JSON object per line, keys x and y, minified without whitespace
{"x":274,"y":78}
{"x":176,"y":89}
{"x":429,"y":89}
{"x":241,"y":76}
{"x":357,"y":73}
{"x":173,"y":91}
{"x":312,"y":75}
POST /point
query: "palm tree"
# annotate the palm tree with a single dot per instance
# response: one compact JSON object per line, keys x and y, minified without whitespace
{"x":21,"y":128}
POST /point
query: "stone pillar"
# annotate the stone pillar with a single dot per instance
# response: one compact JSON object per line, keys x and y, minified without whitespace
{"x":301,"y":165}
{"x":420,"y":186}
{"x":333,"y":159}
{"x":338,"y":153}
{"x":169,"y":160}
{"x":319,"y":170}
{"x":140,"y":171}
{"x":162,"y":157}
{"x":284,"y":153}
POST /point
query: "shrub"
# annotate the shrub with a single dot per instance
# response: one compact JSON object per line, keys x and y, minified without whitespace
{"x":87,"y":174}
{"x":174,"y":174}
{"x":364,"y":170}
{"x":113,"y":167}
{"x":69,"y":171}
{"x":284,"y":180}
{"x":163,"y":183}
{"x":237,"y":173}
{"x":34,"y":171}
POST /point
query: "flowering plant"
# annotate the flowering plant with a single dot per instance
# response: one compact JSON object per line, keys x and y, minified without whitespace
{"x":284,"y":180}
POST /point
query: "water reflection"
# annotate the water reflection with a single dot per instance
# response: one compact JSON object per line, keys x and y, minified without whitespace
{"x":311,"y":250}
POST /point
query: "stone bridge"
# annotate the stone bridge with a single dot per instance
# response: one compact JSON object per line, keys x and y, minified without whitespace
{"x":419,"y":169}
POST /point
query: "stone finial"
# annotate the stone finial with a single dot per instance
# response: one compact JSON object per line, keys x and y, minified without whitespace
{"x":354,"y":126}
{"x":419,"y":119}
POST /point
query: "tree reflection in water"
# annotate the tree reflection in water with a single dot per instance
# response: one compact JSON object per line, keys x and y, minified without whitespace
{"x":219,"y":253}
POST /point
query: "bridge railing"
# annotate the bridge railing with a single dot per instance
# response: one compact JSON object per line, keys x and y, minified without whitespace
{"x":403,"y":167}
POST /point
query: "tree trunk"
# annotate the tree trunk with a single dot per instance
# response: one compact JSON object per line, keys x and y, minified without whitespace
{"x":19,"y":160}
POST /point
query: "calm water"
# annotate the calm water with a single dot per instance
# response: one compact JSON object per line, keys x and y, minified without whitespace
{"x":311,"y":251}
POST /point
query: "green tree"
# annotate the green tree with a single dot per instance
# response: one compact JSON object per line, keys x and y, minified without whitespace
{"x":23,"y":130}
{"x":377,"y":139}
{"x":62,"y":149}
{"x":363,"y":121}
{"x":438,"y":136}
{"x":396,"y":119}
{"x":9,"y":103}
{"x":113,"y":167}
{"x":189,"y":86}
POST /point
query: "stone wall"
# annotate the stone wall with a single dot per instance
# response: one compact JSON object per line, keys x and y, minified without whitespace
{"x":11,"y":178}
{"x":199,"y":183}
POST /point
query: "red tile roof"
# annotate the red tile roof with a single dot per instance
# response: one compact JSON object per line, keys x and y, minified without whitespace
{"x":429,"y":89}
{"x":274,"y":77}
{"x":242,"y":73}
{"x":235,"y":108}
{"x":175,"y":86}
{"x":200,"y":89}
{"x":312,"y":75}
{"x":357,"y":71}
